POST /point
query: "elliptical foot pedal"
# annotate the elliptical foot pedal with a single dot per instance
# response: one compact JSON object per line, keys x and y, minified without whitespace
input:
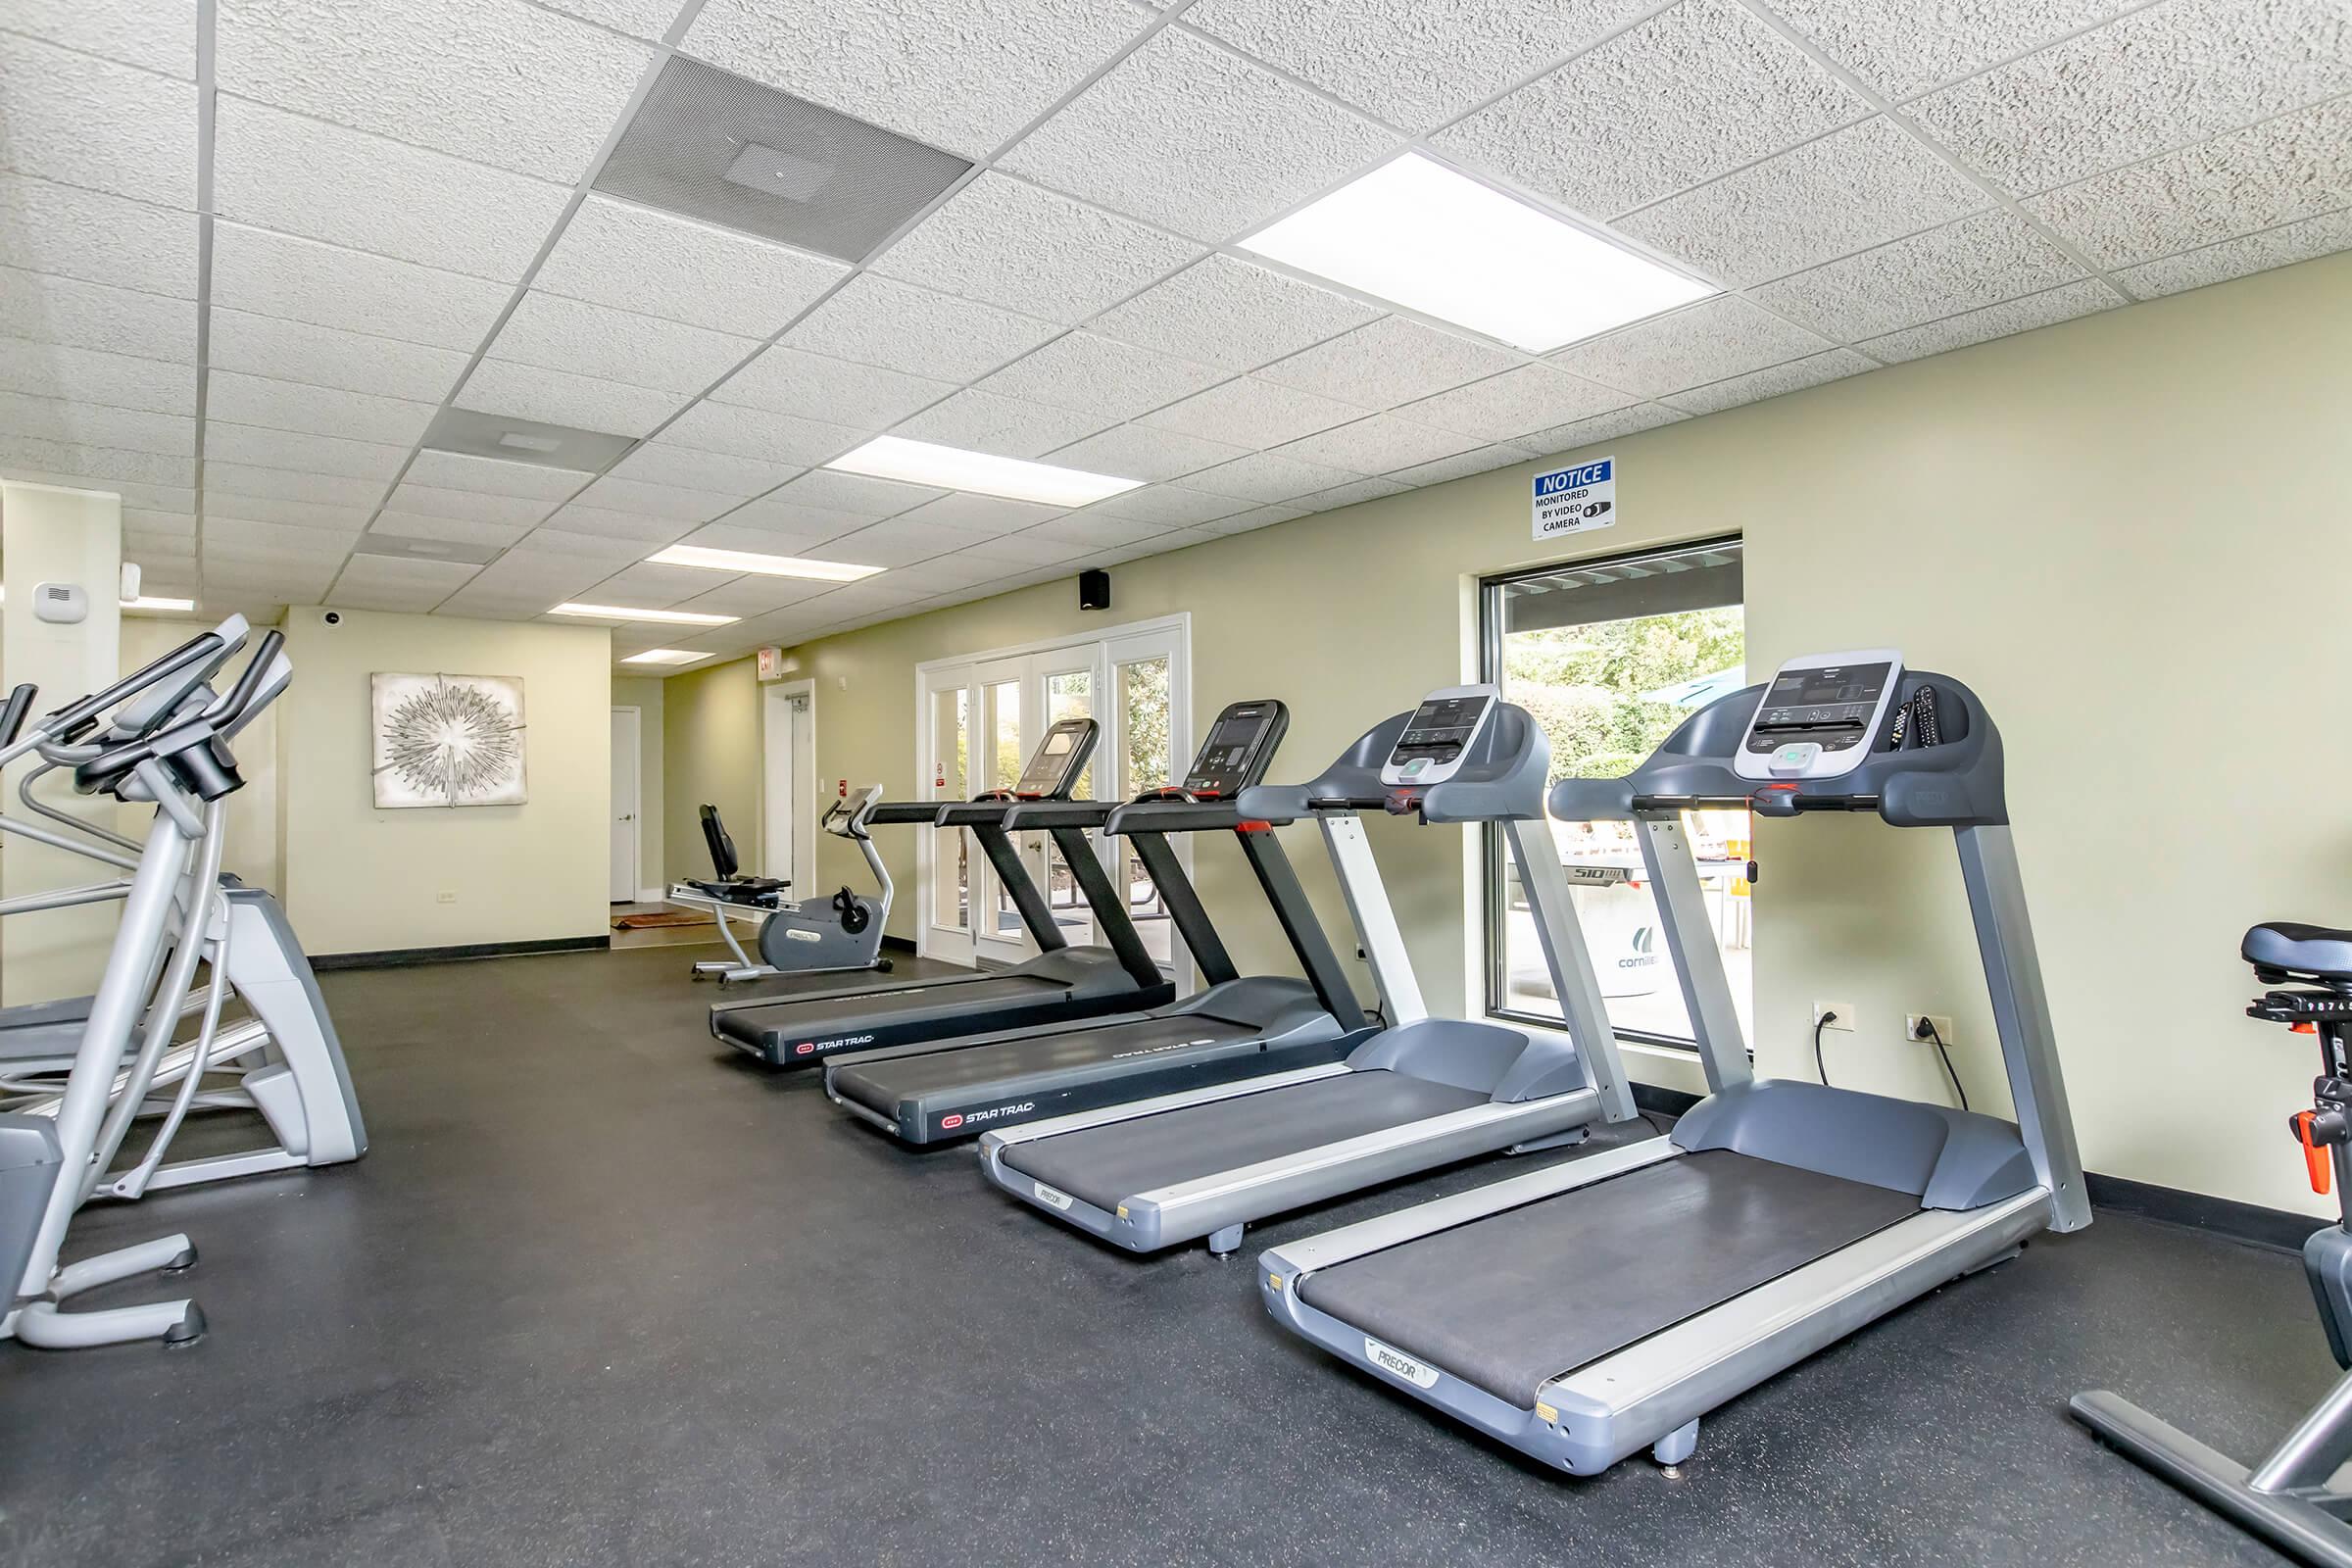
{"x":180,"y":1264}
{"x":188,"y":1330}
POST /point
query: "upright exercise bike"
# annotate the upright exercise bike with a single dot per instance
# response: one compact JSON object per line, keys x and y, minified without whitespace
{"x":2291,"y":1497}
{"x":838,"y":933}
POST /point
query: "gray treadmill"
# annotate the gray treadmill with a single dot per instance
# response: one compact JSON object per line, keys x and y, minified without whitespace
{"x":1239,"y":1026}
{"x":1060,"y":982}
{"x":1586,"y":1311}
{"x":1422,"y":1093}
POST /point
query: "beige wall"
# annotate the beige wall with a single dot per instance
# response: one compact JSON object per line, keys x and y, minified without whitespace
{"x":711,"y":718}
{"x":645,"y":694}
{"x":2126,"y":532}
{"x":359,"y":880}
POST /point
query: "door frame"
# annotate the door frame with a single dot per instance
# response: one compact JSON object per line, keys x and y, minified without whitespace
{"x":1172,"y":632}
{"x":800,"y":782}
{"x":638,"y":893}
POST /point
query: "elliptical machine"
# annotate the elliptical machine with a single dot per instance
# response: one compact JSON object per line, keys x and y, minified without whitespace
{"x":837,"y":934}
{"x":2291,"y":1498}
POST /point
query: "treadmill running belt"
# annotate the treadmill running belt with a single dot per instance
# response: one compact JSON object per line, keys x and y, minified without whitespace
{"x":808,"y":1017}
{"x":1511,"y":1301}
{"x":883,"y":1084}
{"x":1106,"y":1165}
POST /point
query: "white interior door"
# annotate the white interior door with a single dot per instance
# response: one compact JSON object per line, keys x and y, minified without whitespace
{"x":788,"y":785}
{"x":626,"y":832}
{"x":944,"y":856}
{"x":1005,"y":722}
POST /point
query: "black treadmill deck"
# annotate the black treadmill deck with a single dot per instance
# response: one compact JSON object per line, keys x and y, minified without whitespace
{"x":1511,"y":1301}
{"x":882,"y":1084}
{"x":1106,"y":1165}
{"x":806,"y":1029}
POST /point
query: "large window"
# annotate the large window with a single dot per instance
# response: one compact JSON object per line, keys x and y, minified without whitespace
{"x":1609,"y":656}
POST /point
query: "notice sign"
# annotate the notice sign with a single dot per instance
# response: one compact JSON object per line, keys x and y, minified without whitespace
{"x":1575,"y":499}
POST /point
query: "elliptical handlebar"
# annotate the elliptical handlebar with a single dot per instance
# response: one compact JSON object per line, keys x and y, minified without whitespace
{"x":11,"y":718}
{"x":207,"y":774}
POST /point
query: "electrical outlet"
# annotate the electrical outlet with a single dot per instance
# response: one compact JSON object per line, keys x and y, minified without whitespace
{"x":1914,"y":1027}
{"x":445,"y":898}
{"x":1843,"y":1009}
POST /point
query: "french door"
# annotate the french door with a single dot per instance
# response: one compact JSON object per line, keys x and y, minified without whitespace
{"x":981,"y":717}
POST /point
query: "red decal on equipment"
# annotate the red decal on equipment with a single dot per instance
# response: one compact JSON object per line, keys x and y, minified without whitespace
{"x":805,"y":1048}
{"x":947,"y":1122}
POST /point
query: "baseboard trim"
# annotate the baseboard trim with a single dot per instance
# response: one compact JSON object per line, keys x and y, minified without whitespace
{"x":2220,"y":1216}
{"x":406,"y":958}
{"x":652,"y":895}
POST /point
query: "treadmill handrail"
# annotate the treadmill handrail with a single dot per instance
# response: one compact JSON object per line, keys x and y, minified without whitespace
{"x":896,"y":813}
{"x":1176,"y":814}
{"x":1028,"y":816}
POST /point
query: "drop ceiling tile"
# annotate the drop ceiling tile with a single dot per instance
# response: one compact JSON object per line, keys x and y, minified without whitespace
{"x":775,"y":522}
{"x":557,"y":397}
{"x":2050,"y":306}
{"x":178,"y":495}
{"x":1533,"y":397}
{"x":151,"y":524}
{"x":1094,"y":532}
{"x":1903,"y":50}
{"x":1230,"y":313}
{"x":670,"y":501}
{"x":27,"y":458}
{"x":557,"y":554}
{"x":653,"y":532}
{"x":466,"y":506}
{"x":1695,"y":92}
{"x":87,"y":234}
{"x":1269,"y":476}
{"x":463,"y":470}
{"x":296,"y":583}
{"x":1350,"y":493}
{"x":736,"y":531}
{"x":854,"y":492}
{"x":288,"y":405}
{"x":38,"y":307}
{"x":2239,"y":257}
{"x":874,"y":319}
{"x":1707,"y":342}
{"x":1389,"y":362}
{"x":299,"y":452}
{"x":1378,"y":444}
{"x":980,"y":516}
{"x":2160,"y":77}
{"x":1478,"y":459}
{"x":647,"y":584}
{"x":90,"y":376}
{"x":1414,"y":65}
{"x":1975,"y":262}
{"x":1847,"y":191}
{"x":756,"y":433}
{"x":326,"y":182}
{"x":640,"y":19}
{"x":660,"y":463}
{"x":94,"y":425}
{"x":1140,"y":452}
{"x":2295,"y":167}
{"x":894,"y":543}
{"x":1083,"y":371}
{"x":945,"y":573}
{"x":495,"y":80}
{"x":218,"y":502}
{"x":243,"y":538}
{"x":1016,"y":551}
{"x":222,"y":477}
{"x":365,"y":571}
{"x":1191,"y":137}
{"x":1252,"y":519}
{"x":324,"y":357}
{"x":55,"y":97}
{"x":1758,"y":385}
{"x":1007,"y":243}
{"x":553,"y":332}
{"x":1600,"y":427}
{"x":962,"y":74}
{"x":449,"y":530}
{"x":812,"y":386}
{"x":982,"y":421}
{"x":157,"y":35}
{"x":634,"y":258}
{"x":1253,"y":414}
{"x":1170,"y":506}
{"x":327,"y":285}
{"x":401,"y":598}
{"x":864,"y":598}
{"x":751,"y":596}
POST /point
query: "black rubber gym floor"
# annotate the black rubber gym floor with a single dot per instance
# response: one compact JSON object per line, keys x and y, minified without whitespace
{"x":604,"y":1292}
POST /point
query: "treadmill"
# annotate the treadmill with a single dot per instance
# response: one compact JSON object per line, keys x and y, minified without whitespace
{"x":1604,"y":1305}
{"x":1061,"y":982}
{"x":1239,"y":1027}
{"x":1421,"y":1093}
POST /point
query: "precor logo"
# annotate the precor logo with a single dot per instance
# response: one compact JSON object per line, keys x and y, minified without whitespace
{"x":1403,"y":1366}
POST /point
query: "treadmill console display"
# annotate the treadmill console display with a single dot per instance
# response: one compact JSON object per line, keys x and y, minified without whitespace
{"x":1054,"y":767}
{"x":1239,"y":745}
{"x":1438,"y":736}
{"x":1820,"y":714}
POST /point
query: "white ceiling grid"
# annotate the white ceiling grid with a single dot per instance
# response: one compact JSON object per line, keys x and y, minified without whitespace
{"x":250,"y":248}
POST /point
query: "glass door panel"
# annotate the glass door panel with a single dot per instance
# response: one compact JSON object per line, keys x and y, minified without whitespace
{"x":1000,"y":934}
{"x":1144,"y":763}
{"x":951,"y":743}
{"x":1068,"y":694}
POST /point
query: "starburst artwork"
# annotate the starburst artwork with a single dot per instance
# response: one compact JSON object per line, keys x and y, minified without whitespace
{"x":448,"y":740}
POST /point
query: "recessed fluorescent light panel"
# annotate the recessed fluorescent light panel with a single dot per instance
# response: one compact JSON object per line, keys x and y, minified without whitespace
{"x":150,"y":602}
{"x":1421,"y":236}
{"x":889,"y":457}
{"x":765,"y":565}
{"x":675,"y":617}
{"x":665,"y":656}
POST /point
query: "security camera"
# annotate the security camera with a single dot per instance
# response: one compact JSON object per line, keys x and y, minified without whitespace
{"x":332,"y":618}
